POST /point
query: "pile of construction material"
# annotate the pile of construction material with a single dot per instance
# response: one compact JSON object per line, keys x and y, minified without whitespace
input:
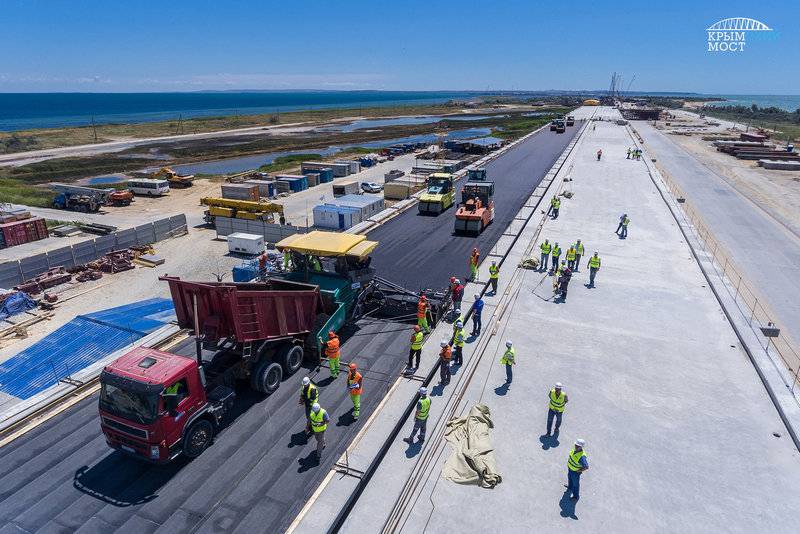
{"x":403,"y":187}
{"x":46,"y":280}
{"x":17,"y":227}
{"x":449,"y":166}
{"x":756,"y":147}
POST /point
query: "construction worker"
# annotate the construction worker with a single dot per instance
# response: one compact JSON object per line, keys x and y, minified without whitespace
{"x":594,"y":266}
{"x":262,"y":263}
{"x":458,"y":293}
{"x":552,"y":205}
{"x":416,"y":347}
{"x":556,"y":207}
{"x":545,"y":247}
{"x":314,"y":264}
{"x":332,"y":352}
{"x":420,"y":416}
{"x":477,"y":309}
{"x":558,"y":399}
{"x":458,"y":340}
{"x":494,"y":275}
{"x":564,"y":277}
{"x":629,"y":154}
{"x":571,"y":253}
{"x":599,"y":154}
{"x":422,"y":314}
{"x":319,"y":423}
{"x":577,"y":463}
{"x":474,"y":260}
{"x":625,"y":222}
{"x":556,"y":256}
{"x":354,"y":386}
{"x":309,"y":394}
{"x":287,"y":259}
{"x":509,"y":359}
{"x":619,"y":226}
{"x":579,"y":250}
{"x":445,"y":355}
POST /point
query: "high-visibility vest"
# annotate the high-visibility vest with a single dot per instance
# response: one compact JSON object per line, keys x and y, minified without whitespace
{"x":574,"y":462}
{"x":594,"y":262}
{"x":286,"y":259}
{"x":556,"y":251}
{"x":332,"y":348}
{"x":579,"y":249}
{"x":446,"y":353}
{"x":318,"y":423}
{"x":557,"y":402}
{"x":422,"y":307}
{"x":354,"y":383}
{"x":546,"y":248}
{"x":494,"y":271}
{"x":508,"y":356}
{"x":458,"y":338}
{"x":557,"y":204}
{"x":416,"y":341}
{"x":309,"y":393}
{"x":553,"y":201}
{"x":625,"y":221}
{"x":570,"y":254}
{"x":173,"y":389}
{"x":425,"y":408}
{"x":473,"y":260}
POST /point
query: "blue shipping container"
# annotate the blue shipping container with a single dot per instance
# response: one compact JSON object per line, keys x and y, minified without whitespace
{"x":325,"y":175}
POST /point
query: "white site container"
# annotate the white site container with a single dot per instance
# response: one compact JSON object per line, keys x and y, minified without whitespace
{"x":241,"y":243}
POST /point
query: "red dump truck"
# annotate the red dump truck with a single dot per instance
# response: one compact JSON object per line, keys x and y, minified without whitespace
{"x":156,"y":405}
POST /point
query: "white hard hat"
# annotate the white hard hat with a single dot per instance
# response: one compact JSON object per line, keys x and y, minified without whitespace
{"x":494,"y":262}
{"x":558,"y":385}
{"x":306,"y":381}
{"x":477,"y":296}
{"x":458,"y":281}
{"x":508,"y":343}
{"x":595,"y":252}
{"x":423,"y":390}
{"x":458,"y":311}
{"x":315,"y":407}
{"x":459,"y":324}
{"x":580,"y":443}
{"x":443,"y":343}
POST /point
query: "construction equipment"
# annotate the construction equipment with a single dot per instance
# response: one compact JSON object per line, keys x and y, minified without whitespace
{"x":553,"y":125}
{"x":476,"y":175}
{"x":88,"y":199}
{"x":561,"y":126}
{"x":570,"y":120}
{"x":175,"y":180}
{"x":440,"y":194}
{"x":239,"y":209}
{"x":476,"y":210}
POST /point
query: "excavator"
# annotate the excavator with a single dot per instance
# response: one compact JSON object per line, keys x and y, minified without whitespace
{"x":175,"y":180}
{"x":476,"y":210}
{"x":440,"y":194}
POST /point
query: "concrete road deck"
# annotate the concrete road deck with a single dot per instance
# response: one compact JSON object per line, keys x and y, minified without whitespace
{"x":681,"y":435}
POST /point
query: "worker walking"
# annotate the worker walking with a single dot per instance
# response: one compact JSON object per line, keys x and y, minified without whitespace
{"x":579,"y":250}
{"x":416,"y":347}
{"x":556,"y":256}
{"x":445,"y":355}
{"x":594,"y":266}
{"x":552,"y":205}
{"x":474,"y":260}
{"x":624,"y":224}
{"x":457,"y":292}
{"x":509,"y":359}
{"x":629,"y":154}
{"x":332,"y":352}
{"x":571,"y":254}
{"x":494,"y":275}
{"x":545,"y":247}
{"x":577,"y":463}
{"x":354,"y":386}
{"x":558,"y":399}
{"x":309,"y":394}
{"x":477,"y":309}
{"x":619,"y":226}
{"x":599,"y":154}
{"x":319,"y":423}
{"x":457,"y":342}
{"x":420,"y":416}
{"x":422,"y":314}
{"x":556,"y":207}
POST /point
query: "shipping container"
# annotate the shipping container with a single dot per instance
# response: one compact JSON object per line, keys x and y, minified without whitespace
{"x":325,"y":175}
{"x":240,"y":192}
{"x":24,"y":231}
{"x":313,"y":179}
{"x":282,"y":186}
{"x":241,"y":243}
{"x":368,"y":205}
{"x":346,"y":188}
{"x":336,"y":217}
{"x":355,"y":166}
{"x":338,"y":169}
{"x":266,"y":188}
{"x":296,"y":182}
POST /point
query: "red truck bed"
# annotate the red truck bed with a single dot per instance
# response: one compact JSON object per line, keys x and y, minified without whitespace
{"x":248,"y":311}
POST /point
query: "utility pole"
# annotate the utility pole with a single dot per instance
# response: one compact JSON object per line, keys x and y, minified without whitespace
{"x":94,"y":129}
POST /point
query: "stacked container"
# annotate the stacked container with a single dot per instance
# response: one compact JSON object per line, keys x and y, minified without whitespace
{"x":24,"y":231}
{"x":313,"y":179}
{"x":240,"y":192}
{"x":266,"y":188}
{"x":296,"y":182}
{"x":336,"y":217}
{"x":367,"y":205}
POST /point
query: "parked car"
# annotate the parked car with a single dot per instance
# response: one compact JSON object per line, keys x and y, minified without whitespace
{"x":371,"y":187}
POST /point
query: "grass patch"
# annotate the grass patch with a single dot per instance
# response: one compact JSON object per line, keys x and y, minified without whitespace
{"x":517,"y":127}
{"x":282,"y":163}
{"x":18,"y":192}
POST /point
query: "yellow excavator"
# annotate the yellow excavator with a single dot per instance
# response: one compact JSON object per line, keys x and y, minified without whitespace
{"x":240,"y":209}
{"x":175,"y":180}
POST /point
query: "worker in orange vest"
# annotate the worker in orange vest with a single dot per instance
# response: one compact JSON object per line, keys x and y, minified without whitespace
{"x":474,"y":259}
{"x":354,"y":386}
{"x":332,"y":352}
{"x":445,"y":355}
{"x":422,"y":314}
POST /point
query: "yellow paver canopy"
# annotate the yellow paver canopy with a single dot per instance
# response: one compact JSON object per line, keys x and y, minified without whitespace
{"x":327,"y":244}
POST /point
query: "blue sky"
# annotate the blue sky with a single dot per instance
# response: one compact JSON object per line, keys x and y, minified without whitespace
{"x":88,"y":45}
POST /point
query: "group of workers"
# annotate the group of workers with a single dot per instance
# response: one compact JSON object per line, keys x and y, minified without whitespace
{"x":563,"y":269}
{"x":622,"y":227}
{"x":634,"y":153}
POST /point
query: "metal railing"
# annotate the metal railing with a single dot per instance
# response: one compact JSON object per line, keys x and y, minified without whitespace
{"x":749,"y":301}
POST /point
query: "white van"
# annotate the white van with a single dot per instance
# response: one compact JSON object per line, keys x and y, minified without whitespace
{"x":149,"y":187}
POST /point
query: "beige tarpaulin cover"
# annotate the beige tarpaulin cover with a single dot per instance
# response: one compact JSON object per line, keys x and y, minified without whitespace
{"x":472,"y":461}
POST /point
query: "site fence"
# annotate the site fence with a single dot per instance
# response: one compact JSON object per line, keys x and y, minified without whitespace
{"x":747,"y":299}
{"x":13,"y":273}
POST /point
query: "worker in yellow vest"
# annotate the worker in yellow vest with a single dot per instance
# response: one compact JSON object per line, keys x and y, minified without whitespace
{"x":319,"y":424}
{"x":579,"y":250}
{"x":332,"y":352}
{"x":571,"y":253}
{"x":420,"y":416}
{"x":416,"y":347}
{"x":556,"y":255}
{"x":545,"y":247}
{"x":556,"y":207}
{"x":558,"y":399}
{"x":309,"y":395}
{"x":509,"y":359}
{"x":594,"y":266}
{"x":577,"y":463}
{"x":459,"y":338}
{"x":287,"y":260}
{"x":494,"y":275}
{"x":354,"y":387}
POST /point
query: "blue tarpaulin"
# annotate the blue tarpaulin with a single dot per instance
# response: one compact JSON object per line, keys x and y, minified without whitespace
{"x":80,"y":343}
{"x":16,"y":303}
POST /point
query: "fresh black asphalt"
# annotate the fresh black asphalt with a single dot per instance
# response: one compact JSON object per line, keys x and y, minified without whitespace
{"x":62,"y":477}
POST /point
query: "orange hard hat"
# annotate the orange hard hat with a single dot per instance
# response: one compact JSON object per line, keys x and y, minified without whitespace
{"x":417,"y":328}
{"x":331,"y":334}
{"x":352,"y":366}
{"x":423,"y":297}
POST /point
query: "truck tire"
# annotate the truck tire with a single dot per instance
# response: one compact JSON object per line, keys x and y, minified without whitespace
{"x":291,"y":358}
{"x":197,"y":438}
{"x":267,"y":377}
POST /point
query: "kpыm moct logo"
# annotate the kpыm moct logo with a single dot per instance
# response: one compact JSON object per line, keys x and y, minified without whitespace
{"x":728,"y":35}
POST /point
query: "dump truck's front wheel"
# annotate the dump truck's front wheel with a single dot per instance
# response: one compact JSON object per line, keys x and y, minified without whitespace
{"x":198,"y":438}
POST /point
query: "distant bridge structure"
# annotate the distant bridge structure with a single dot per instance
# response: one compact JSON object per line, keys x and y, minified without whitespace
{"x":739,"y":24}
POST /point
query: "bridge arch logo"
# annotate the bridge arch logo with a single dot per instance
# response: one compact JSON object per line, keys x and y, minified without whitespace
{"x":730,"y":35}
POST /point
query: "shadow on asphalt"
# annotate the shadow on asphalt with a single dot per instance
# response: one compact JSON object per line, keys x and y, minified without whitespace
{"x":502,"y":390}
{"x":298,"y":439}
{"x":309,"y":462}
{"x":413,"y":449}
{"x":567,"y":506}
{"x":549,"y":441}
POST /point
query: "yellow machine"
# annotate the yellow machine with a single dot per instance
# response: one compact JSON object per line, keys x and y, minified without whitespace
{"x":440,"y":194}
{"x":175,"y":179}
{"x":239,"y":209}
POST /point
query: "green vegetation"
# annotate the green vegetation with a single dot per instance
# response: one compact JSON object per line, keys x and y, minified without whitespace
{"x":17,"y":192}
{"x":288,"y":162}
{"x":786,"y":123}
{"x":518,"y":126}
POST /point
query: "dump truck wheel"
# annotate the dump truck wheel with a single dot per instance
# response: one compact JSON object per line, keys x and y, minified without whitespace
{"x":291,"y":358}
{"x":267,"y":377}
{"x":197,"y":438}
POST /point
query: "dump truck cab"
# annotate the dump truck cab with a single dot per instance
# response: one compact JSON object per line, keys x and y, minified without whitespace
{"x":439,"y":195}
{"x":476,"y":175}
{"x":560,"y":126}
{"x":553,"y":125}
{"x":476,"y":210}
{"x":570,"y":120}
